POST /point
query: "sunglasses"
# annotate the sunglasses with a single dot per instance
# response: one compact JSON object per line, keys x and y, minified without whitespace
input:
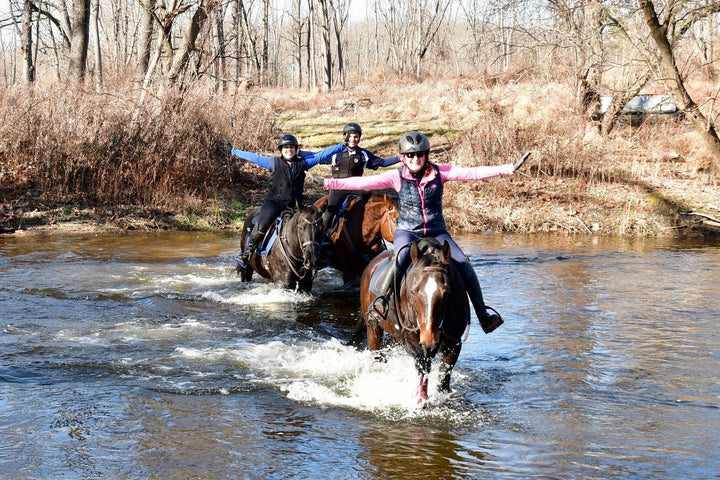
{"x":415,"y":154}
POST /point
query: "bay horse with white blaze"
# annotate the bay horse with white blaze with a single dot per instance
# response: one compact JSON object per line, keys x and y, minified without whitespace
{"x":292,"y":260}
{"x":364,"y":223}
{"x":431,"y":307}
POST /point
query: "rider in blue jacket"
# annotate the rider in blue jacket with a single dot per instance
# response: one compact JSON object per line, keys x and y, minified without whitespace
{"x":288,"y":183}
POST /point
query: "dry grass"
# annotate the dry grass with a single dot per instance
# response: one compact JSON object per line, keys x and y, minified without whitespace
{"x":59,"y":147}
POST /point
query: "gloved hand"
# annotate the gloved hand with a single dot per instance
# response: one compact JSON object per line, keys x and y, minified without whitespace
{"x":519,"y":163}
{"x":346,"y":140}
{"x":228,"y":146}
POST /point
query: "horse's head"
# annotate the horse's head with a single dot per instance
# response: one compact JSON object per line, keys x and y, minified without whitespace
{"x":380,"y":218}
{"x":389,"y":219}
{"x":309,"y":234}
{"x":426,"y":287}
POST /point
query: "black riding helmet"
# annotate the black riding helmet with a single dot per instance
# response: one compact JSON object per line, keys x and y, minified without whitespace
{"x":352,"y":128}
{"x":412,"y":142}
{"x":287,"y":139}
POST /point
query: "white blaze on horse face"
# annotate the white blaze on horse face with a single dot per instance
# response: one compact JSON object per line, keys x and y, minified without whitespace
{"x":427,"y":335}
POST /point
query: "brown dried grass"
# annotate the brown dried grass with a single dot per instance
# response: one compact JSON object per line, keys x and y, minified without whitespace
{"x":67,"y":146}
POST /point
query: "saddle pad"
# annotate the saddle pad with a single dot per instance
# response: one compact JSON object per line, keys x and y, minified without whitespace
{"x":267,"y":246}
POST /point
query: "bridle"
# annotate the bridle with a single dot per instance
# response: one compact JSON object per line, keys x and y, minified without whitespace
{"x":409,"y":325}
{"x":304,"y":246}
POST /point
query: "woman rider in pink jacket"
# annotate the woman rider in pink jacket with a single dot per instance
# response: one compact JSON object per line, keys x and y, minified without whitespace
{"x":419,"y":184}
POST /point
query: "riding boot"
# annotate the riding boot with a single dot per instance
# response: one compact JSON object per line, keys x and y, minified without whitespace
{"x":488,"y":321}
{"x":327,"y":218}
{"x":256,"y":237}
{"x":379,"y":309}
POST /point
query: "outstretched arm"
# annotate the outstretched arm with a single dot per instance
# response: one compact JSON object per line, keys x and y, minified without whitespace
{"x":323,"y":156}
{"x":248,"y":156}
{"x":374,"y":162}
{"x":389,"y":179}
{"x":460,"y":174}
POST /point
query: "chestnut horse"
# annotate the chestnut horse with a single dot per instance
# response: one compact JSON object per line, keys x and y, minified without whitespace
{"x":363,"y":224}
{"x":430,"y":305}
{"x":292,"y":260}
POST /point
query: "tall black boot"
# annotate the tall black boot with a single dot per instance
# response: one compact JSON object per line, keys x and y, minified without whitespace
{"x":327,"y":218}
{"x":256,"y":237}
{"x":488,"y":321}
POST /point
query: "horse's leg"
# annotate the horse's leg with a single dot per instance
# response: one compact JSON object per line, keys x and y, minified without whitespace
{"x":246,"y":273}
{"x":374,"y":337}
{"x":448,"y":358}
{"x":374,"y":341}
{"x":423,"y":364}
{"x":305,"y":283}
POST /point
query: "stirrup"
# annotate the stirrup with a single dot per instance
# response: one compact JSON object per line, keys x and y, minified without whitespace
{"x":376,"y":315}
{"x":491,"y":321}
{"x":384,"y":306}
{"x":242,"y":260}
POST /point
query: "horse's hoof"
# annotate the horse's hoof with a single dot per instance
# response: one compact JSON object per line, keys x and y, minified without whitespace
{"x":380,"y":358}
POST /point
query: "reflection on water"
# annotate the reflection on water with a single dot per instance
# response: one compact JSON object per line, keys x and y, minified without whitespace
{"x":144,"y":356}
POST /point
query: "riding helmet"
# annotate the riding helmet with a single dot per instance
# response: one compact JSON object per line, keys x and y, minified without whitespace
{"x":352,"y":128}
{"x":414,"y":141}
{"x":287,"y":139}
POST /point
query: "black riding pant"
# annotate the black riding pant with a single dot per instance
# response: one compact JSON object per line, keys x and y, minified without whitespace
{"x":269,"y":211}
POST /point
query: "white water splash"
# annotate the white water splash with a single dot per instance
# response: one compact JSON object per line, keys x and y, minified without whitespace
{"x":328,"y":373}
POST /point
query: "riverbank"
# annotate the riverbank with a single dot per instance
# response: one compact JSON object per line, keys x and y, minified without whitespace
{"x":651,"y":180}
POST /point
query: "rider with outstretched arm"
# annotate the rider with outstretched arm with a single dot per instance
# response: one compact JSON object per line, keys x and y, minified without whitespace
{"x":288,"y":183}
{"x":419,"y":184}
{"x":350,"y":162}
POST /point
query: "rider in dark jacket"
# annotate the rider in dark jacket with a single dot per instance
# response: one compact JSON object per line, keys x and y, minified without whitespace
{"x":288,"y":183}
{"x":350,"y":162}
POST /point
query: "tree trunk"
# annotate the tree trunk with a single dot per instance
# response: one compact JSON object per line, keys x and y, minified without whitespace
{"x":98,"y":52}
{"x":26,"y":43}
{"x":676,"y":85}
{"x":187,"y":44}
{"x":79,"y":41}
{"x":265,"y":42}
{"x":326,"y":47}
{"x":146,"y":33}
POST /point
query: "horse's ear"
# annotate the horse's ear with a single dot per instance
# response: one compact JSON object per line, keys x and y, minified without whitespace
{"x":321,"y":203}
{"x":446,"y":252}
{"x":414,"y":252}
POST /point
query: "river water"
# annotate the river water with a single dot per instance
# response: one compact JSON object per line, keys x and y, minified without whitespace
{"x":144,"y":356}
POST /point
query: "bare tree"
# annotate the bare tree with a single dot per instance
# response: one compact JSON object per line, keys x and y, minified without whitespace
{"x":674,"y":81}
{"x":26,"y":43}
{"x":146,"y":34}
{"x":325,"y":20}
{"x":187,"y":44}
{"x":411,"y":26}
{"x":98,"y":50}
{"x":340,"y":12}
{"x":79,"y":41}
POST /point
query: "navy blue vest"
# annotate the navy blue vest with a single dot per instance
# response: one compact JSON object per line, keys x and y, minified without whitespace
{"x":421,"y":216}
{"x":287,"y":186}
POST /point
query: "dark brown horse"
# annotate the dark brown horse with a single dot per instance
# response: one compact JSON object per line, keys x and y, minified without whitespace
{"x":364,"y":223}
{"x":292,"y":260}
{"x":431,"y":307}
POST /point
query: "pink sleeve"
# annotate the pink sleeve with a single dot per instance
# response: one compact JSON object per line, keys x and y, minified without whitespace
{"x":453,"y":173}
{"x":389,"y":179}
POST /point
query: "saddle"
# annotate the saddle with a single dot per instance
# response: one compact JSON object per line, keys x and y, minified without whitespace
{"x":272,"y":233}
{"x":341,"y":213}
